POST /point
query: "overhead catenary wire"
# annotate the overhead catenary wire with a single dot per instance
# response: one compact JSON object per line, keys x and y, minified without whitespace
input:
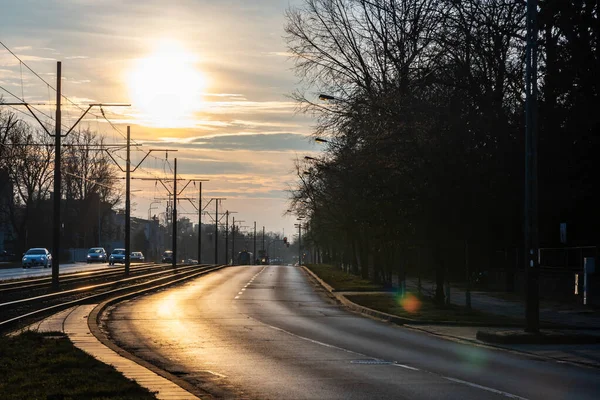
{"x":38,"y":76}
{"x":49,"y":86}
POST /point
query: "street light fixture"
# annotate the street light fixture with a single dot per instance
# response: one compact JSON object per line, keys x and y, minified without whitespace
{"x":326,"y":97}
{"x":152,"y":208}
{"x":310,"y":158}
{"x":320,"y":140}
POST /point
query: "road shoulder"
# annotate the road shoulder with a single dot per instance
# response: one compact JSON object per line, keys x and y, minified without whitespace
{"x":578,"y":354}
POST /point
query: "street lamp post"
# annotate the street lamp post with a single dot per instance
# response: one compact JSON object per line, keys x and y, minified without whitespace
{"x":299,"y":224}
{"x":532,"y":306}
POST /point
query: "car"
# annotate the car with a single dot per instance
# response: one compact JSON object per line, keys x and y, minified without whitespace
{"x":96,"y":254}
{"x":167,"y":256}
{"x":37,"y":256}
{"x":136,"y":256}
{"x":117,"y":256}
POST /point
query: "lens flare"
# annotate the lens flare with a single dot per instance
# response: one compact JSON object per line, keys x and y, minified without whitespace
{"x":410,"y":303}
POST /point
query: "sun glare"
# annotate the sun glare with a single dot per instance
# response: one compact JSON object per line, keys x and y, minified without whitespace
{"x":165,"y":87}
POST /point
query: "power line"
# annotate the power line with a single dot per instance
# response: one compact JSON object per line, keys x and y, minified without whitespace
{"x":23,"y":100}
{"x":42,"y":79}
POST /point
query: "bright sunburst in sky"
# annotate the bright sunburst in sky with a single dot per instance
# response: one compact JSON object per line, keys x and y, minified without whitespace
{"x":208,"y":79}
{"x":166,"y":86}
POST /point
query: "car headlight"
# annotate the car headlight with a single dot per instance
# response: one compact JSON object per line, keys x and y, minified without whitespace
{"x":88,"y":256}
{"x":24,"y":259}
{"x":43,"y":258}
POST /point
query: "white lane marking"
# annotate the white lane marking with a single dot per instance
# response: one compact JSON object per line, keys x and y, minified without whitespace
{"x":249,"y":282}
{"x":314,"y":341}
{"x":489,"y":389}
{"x":215,"y":373}
{"x":406,"y":366}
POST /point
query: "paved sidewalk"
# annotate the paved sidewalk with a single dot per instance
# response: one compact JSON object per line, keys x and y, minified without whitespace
{"x":74,"y":323}
{"x":573,"y":315}
{"x":583,"y":354}
{"x":580,"y":354}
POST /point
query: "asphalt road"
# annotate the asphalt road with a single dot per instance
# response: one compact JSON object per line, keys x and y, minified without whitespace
{"x":269,"y":333}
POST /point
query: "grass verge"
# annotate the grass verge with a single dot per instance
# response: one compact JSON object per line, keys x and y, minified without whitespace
{"x":342,"y":281}
{"x":417,"y":307}
{"x":422,"y":308}
{"x":47,"y":366}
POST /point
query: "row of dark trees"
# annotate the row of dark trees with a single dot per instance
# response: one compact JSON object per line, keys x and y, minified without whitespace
{"x":424,"y":117}
{"x":26,"y":184}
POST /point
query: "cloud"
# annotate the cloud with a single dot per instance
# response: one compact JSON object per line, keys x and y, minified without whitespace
{"x":259,"y":142}
{"x":279,"y":53}
{"x":78,"y":81}
{"x":230,"y":95}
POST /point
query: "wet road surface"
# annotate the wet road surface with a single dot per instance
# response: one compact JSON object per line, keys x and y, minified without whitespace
{"x":267,"y":332}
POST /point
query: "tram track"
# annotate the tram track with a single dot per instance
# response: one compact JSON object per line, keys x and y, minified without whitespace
{"x":18,"y":312}
{"x":15,"y":285}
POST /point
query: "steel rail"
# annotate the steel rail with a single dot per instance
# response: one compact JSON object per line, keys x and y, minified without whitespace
{"x":53,"y":295}
{"x":20,"y":284}
{"x":173,"y":277}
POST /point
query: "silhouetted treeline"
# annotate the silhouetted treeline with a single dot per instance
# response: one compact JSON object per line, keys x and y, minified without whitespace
{"x":425,"y":129}
{"x":27,"y":181}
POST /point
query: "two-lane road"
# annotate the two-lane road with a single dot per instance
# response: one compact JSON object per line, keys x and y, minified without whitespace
{"x":267,"y":332}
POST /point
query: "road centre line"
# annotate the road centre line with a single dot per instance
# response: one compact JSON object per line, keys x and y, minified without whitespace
{"x":249,"y":282}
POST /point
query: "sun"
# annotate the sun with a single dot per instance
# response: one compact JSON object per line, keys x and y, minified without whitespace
{"x":165,"y":87}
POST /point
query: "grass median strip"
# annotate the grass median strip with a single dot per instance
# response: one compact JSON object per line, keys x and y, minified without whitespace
{"x":412,"y":306}
{"x":423,"y":309}
{"x":47,"y":366}
{"x":343,"y":281}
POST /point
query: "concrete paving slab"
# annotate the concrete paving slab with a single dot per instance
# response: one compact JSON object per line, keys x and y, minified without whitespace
{"x":73,"y":322}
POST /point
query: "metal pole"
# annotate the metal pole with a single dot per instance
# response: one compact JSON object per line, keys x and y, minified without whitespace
{"x":531,"y":233}
{"x":299,"y":244}
{"x":226,"y":236}
{"x":128,"y":203}
{"x":99,"y":223}
{"x":233,"y":241}
{"x":468,"y":291}
{"x":200,"y":223}
{"x":175,"y":213}
{"x":263,"y":240}
{"x":217,"y":232}
{"x":57,"y":183}
{"x":254,"y":254}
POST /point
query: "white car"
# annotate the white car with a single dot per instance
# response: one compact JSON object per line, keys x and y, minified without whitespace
{"x":37,"y":256}
{"x":136,"y":256}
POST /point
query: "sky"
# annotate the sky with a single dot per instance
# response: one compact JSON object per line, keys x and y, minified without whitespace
{"x":210,"y":79}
